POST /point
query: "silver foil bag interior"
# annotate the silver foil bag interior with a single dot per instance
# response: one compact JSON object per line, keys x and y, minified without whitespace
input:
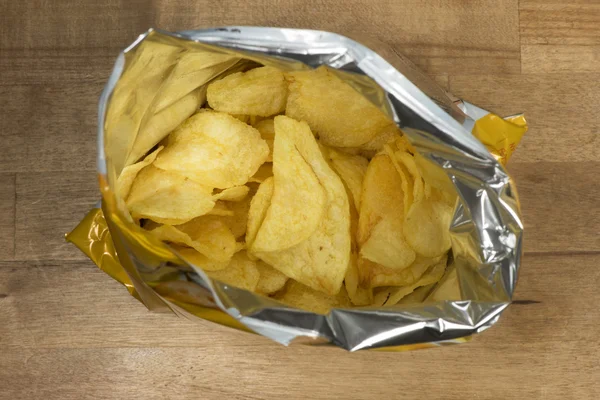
{"x":486,"y":229}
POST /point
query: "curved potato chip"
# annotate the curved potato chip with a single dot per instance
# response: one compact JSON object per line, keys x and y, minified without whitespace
{"x":448,"y":288}
{"x":193,"y":70}
{"x":405,"y":177}
{"x":199,"y":260}
{"x":214,"y":149}
{"x":241,"y":272}
{"x":236,"y":193}
{"x":381,"y":197}
{"x":207,"y":234}
{"x":358,"y":294}
{"x":303,"y":297}
{"x":298,"y":200}
{"x":337,"y":113}
{"x":386,"y":245}
{"x":129,"y":173}
{"x":266,"y":127}
{"x":321,"y":260}
{"x":352,"y":170}
{"x":409,"y":163}
{"x":260,"y":91}
{"x":239,"y":220}
{"x":417,"y":296}
{"x":221,"y":209}
{"x":159,"y":125}
{"x":391,"y":296}
{"x":381,"y":276}
{"x":270,"y":280}
{"x":167,"y":197}
{"x":258,"y":209}
{"x":386,"y":135}
{"x":264,"y":171}
{"x":427,"y":228}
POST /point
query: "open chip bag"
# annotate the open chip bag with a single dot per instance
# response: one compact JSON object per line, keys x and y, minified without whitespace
{"x":299,"y":185}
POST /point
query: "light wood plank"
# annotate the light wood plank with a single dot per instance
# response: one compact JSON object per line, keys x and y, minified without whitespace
{"x":7,"y":216}
{"x":73,"y":324}
{"x":56,"y":66}
{"x":562,"y":111}
{"x":560,"y":205}
{"x":49,"y":127}
{"x":39,"y":24}
{"x":560,"y":36}
{"x":49,"y":205}
{"x":441,"y":37}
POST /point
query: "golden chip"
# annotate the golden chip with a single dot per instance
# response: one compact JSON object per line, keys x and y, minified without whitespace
{"x":221,"y":209}
{"x":381,"y":276}
{"x":298,"y":201}
{"x":266,"y":128}
{"x":264,"y":171}
{"x":207,"y":234}
{"x":270,"y":280}
{"x":199,"y":260}
{"x":321,"y":260}
{"x":260,"y":91}
{"x":359,"y":294}
{"x":386,"y":245}
{"x":167,"y":197}
{"x":130,"y":172}
{"x":392,"y":295}
{"x":236,"y":193}
{"x":409,"y":163}
{"x":241,"y":272}
{"x":258,"y":209}
{"x":352,"y":170}
{"x":427,"y":227}
{"x":337,"y":113}
{"x":214,"y":149}
{"x":303,"y":297}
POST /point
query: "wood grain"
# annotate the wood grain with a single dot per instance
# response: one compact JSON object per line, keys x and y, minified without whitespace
{"x":68,"y":331}
{"x":560,"y":36}
{"x":94,"y":335}
{"x":7,"y":216}
{"x":439,"y":36}
{"x":562,"y":111}
{"x":49,"y":206}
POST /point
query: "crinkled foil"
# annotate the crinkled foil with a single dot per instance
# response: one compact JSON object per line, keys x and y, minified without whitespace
{"x":486,"y":228}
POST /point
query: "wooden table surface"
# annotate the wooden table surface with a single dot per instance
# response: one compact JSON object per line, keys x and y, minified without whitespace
{"x":68,"y":331}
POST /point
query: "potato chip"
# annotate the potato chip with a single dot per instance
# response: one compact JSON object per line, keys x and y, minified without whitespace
{"x":381,"y":197}
{"x":159,"y":125}
{"x":359,"y":294}
{"x":207,"y":234}
{"x":258,"y":209}
{"x":214,"y":149}
{"x":337,"y":113}
{"x":261,"y":91}
{"x":264,"y":171}
{"x":199,"y":260}
{"x":270,"y":280}
{"x":405,"y":178}
{"x":448,"y":288}
{"x":409,"y":163}
{"x":242,"y":117}
{"x":392,"y":295}
{"x":167,"y":197}
{"x":193,"y":70}
{"x":352,"y":170}
{"x":321,"y":260}
{"x":221,"y":209}
{"x":435,"y":176}
{"x":418,"y":296}
{"x":239,"y":220}
{"x":303,"y":297}
{"x":387,"y":135}
{"x":381,"y":276}
{"x":266,"y":128}
{"x":129,"y":173}
{"x":298,"y":201}
{"x":236,"y":193}
{"x":427,"y":228}
{"x":386,"y":245}
{"x":241,"y":272}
